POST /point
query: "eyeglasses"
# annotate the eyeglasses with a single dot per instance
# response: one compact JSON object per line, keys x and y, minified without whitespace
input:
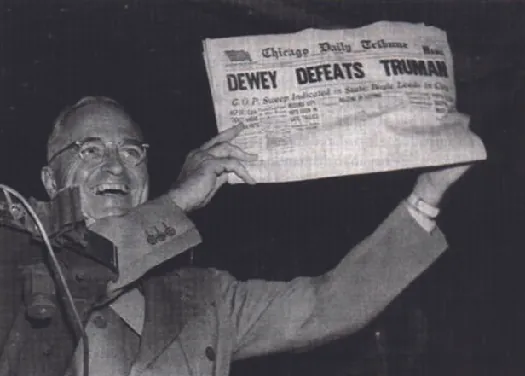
{"x":94,"y":150}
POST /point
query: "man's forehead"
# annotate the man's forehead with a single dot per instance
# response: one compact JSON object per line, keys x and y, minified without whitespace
{"x":100,"y":120}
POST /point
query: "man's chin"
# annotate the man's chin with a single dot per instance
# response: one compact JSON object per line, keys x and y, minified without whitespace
{"x":108,"y":212}
{"x":107,"y":206}
{"x":115,"y":212}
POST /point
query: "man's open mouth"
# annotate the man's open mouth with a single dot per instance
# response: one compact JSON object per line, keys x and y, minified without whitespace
{"x":111,"y":189}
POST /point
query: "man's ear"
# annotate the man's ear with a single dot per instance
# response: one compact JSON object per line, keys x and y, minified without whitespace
{"x":48,"y":179}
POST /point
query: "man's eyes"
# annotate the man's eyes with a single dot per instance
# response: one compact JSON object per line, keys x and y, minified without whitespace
{"x":89,"y":151}
{"x":130,"y":152}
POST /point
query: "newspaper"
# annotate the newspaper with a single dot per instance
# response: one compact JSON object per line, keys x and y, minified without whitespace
{"x":320,"y":103}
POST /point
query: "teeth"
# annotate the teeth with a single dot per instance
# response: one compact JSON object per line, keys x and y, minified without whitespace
{"x":112,"y":187}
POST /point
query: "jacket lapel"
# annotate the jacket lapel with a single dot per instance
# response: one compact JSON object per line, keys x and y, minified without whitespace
{"x":171,"y":302}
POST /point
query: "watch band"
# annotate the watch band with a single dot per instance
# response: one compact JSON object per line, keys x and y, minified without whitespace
{"x":421,"y":206}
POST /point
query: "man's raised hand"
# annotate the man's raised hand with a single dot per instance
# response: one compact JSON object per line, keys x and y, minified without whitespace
{"x":431,"y":186}
{"x":206,"y":168}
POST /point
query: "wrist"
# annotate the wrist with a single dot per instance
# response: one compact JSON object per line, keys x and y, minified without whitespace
{"x":423,"y":207}
{"x":427,"y":223}
{"x":178,"y":199}
{"x":428,"y":192}
{"x":423,"y":213}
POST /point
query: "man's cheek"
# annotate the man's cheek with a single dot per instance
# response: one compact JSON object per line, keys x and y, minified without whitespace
{"x":75,"y":176}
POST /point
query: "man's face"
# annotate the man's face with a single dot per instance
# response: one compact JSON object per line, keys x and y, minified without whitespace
{"x":109,"y":186}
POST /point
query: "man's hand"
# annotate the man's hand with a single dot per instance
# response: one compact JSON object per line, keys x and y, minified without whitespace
{"x":431,"y":186}
{"x":205,"y":170}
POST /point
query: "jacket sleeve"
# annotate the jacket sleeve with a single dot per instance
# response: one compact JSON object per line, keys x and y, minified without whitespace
{"x":276,"y":316}
{"x":146,"y":236}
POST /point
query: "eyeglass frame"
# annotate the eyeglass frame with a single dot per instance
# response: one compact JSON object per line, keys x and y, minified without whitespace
{"x":78,"y":144}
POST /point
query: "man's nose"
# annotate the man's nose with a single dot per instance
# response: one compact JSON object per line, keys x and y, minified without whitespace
{"x":113,"y":163}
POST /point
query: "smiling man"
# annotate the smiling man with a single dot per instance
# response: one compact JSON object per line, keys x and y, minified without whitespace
{"x":197,"y":321}
{"x":96,"y":146}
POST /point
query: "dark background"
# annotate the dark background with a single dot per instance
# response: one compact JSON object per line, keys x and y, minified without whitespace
{"x":462,"y":317}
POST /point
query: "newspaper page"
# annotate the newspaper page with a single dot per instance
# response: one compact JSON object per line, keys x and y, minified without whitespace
{"x":321,"y":103}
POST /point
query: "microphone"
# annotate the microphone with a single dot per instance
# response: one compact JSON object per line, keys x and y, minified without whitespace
{"x":57,"y":218}
{"x":39,"y":291}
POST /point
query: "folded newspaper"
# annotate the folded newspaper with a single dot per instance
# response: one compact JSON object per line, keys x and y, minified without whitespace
{"x":320,"y":103}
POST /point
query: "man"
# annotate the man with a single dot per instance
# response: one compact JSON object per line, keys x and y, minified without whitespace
{"x":195,"y":322}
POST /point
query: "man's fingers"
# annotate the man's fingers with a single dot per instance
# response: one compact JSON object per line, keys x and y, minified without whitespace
{"x":194,"y":159}
{"x":219,"y":166}
{"x":227,"y":150}
{"x":220,"y":152}
{"x":221,"y":180}
{"x":225,"y":136}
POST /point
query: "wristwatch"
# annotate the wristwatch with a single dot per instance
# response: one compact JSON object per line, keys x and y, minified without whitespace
{"x":423,"y":207}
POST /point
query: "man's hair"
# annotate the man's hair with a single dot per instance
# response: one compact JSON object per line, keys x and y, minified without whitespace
{"x":59,"y":124}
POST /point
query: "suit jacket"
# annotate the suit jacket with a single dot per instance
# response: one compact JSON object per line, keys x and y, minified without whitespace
{"x":197,"y":321}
